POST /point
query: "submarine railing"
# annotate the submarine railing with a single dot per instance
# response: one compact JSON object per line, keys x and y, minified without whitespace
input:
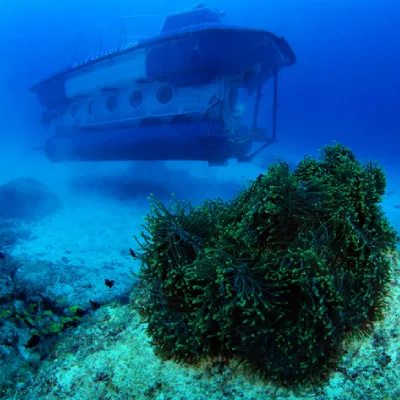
{"x":124,"y":32}
{"x":264,"y":138}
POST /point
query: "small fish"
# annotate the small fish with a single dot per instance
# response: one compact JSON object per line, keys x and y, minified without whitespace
{"x":133,"y":254}
{"x":33,"y":341}
{"x":94,"y":305}
{"x":70,"y":324}
{"x":2,"y":256}
{"x":109,"y":283}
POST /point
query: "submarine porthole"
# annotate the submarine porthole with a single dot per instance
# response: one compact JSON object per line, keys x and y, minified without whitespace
{"x":136,"y":98}
{"x":112,"y":102}
{"x":164,"y":94}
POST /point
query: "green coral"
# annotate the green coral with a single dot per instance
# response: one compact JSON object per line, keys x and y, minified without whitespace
{"x":38,"y":319}
{"x":280,"y":276}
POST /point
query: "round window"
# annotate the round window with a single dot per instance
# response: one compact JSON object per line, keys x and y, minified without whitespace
{"x":112,"y":102}
{"x":136,"y":98}
{"x":164,"y":94}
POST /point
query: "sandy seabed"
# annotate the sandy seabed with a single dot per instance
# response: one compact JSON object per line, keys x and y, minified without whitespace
{"x":109,"y":356}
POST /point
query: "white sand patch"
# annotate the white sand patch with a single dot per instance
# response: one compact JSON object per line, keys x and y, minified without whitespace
{"x":86,"y":232}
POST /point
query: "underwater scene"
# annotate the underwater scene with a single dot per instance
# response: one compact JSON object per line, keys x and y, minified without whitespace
{"x":200,"y":201}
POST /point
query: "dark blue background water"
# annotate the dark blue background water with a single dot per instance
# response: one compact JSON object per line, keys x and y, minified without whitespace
{"x":345,"y":85}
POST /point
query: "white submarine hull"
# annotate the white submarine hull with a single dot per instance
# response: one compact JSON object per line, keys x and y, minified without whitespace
{"x":174,"y":96}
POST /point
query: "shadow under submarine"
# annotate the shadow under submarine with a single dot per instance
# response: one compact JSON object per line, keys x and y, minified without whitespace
{"x":174,"y":96}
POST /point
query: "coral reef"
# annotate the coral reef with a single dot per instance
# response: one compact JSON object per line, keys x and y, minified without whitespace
{"x":279,"y":277}
{"x":110,"y":356}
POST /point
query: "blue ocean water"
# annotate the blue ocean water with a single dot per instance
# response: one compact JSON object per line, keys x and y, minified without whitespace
{"x":344,"y":86}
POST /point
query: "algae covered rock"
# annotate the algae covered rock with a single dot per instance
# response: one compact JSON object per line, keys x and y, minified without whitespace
{"x":279,"y":277}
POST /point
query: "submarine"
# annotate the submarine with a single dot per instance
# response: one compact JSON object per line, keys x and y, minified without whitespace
{"x":178,"y":95}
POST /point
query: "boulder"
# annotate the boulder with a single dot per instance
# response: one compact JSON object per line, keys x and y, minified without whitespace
{"x":27,"y":198}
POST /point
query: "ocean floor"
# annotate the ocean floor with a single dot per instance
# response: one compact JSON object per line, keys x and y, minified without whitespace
{"x":110,"y":357}
{"x":70,"y":253}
